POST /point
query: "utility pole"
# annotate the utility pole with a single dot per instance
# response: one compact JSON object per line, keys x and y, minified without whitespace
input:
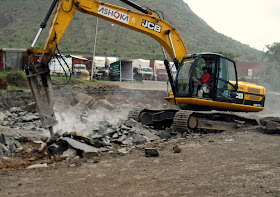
{"x":94,"y":47}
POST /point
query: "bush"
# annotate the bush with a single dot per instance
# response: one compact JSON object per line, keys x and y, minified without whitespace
{"x":3,"y":83}
{"x":17,"y":78}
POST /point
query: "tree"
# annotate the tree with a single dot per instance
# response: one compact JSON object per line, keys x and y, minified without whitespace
{"x":273,"y":52}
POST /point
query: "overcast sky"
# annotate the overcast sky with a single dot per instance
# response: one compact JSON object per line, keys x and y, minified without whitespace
{"x":252,"y":22}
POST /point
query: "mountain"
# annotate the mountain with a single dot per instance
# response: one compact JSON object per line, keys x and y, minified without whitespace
{"x":20,"y":21}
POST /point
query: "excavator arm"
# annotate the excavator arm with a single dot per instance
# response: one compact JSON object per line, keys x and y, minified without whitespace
{"x":145,"y":22}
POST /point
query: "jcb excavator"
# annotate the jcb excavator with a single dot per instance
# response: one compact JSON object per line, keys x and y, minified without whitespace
{"x":224,"y":92}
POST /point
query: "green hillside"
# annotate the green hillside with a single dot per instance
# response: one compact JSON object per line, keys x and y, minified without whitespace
{"x":20,"y":21}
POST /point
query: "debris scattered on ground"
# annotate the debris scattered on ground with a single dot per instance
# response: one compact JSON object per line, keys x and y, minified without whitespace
{"x":177,"y":149}
{"x":151,"y":152}
{"x":271,"y":124}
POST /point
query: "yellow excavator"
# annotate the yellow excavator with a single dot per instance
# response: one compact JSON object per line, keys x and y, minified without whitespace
{"x":223,"y":92}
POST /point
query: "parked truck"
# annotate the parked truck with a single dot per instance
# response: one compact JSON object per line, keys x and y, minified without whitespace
{"x":142,"y":67}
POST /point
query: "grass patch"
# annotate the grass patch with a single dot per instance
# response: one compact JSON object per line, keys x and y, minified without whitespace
{"x":11,"y":88}
{"x":3,"y":74}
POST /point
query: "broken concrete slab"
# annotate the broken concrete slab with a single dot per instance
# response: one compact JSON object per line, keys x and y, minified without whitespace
{"x":86,"y":149}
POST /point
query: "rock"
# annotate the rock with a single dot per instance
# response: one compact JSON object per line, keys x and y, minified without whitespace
{"x":95,"y":136}
{"x":2,"y":116}
{"x":121,"y":139}
{"x":102,"y":149}
{"x":110,"y":130}
{"x":4,"y":150}
{"x":164,"y":134}
{"x":272,"y":126}
{"x":80,"y":137}
{"x":123,"y":127}
{"x":7,"y":113}
{"x":43,"y":165}
{"x":139,"y":139}
{"x":89,"y":155}
{"x":266,"y":120}
{"x":97,"y":143}
{"x":106,"y":142}
{"x":55,"y":149}
{"x":115,"y":136}
{"x":69,"y":153}
{"x":151,"y":152}
{"x":130,"y":123}
{"x":123,"y":151}
{"x":16,"y":109}
{"x":30,"y":107}
{"x":53,"y":139}
{"x":177,"y":149}
{"x":2,"y":139}
{"x":81,"y":107}
{"x":1,"y":150}
{"x":5,"y":123}
{"x":30,"y":118}
{"x":22,"y":139}
{"x":103,"y":104}
{"x":128,"y":141}
{"x":83,"y":98}
{"x":149,"y":135}
{"x":86,"y":150}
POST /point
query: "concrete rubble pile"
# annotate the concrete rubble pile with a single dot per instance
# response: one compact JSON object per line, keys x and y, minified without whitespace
{"x":8,"y":145}
{"x":108,"y":138}
{"x":22,"y":118}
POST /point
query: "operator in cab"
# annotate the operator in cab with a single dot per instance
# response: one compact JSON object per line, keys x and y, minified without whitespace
{"x":203,"y":81}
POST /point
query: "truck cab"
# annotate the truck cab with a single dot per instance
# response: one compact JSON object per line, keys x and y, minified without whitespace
{"x":147,"y":73}
{"x":161,"y":74}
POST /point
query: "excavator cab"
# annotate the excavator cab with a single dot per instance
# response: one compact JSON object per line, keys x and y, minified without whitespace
{"x":223,"y":92}
{"x":223,"y":77}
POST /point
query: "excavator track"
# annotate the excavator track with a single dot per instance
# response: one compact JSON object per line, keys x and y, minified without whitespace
{"x":184,"y":121}
{"x":190,"y":121}
{"x":181,"y":121}
{"x":134,"y":114}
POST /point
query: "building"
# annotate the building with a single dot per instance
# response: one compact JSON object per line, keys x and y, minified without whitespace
{"x":13,"y":58}
{"x":248,"y":69}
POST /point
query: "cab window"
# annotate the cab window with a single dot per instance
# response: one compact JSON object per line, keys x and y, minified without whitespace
{"x":227,"y":76}
{"x":183,"y":78}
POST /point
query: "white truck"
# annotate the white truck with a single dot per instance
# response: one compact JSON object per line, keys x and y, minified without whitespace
{"x":142,"y":67}
{"x":58,"y":67}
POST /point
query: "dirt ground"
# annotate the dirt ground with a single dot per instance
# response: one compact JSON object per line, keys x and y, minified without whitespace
{"x":243,"y":162}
